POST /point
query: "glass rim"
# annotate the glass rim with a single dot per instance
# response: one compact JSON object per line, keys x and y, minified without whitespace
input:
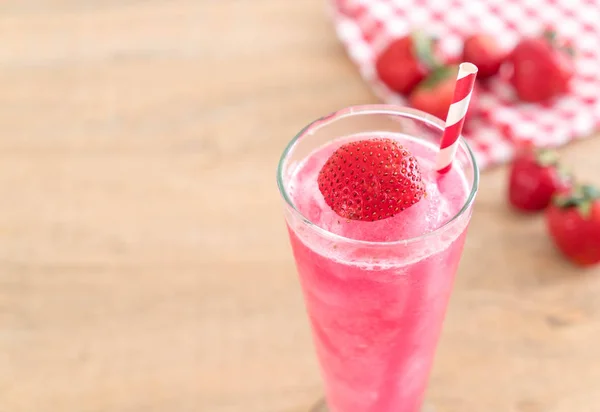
{"x":366,"y":110}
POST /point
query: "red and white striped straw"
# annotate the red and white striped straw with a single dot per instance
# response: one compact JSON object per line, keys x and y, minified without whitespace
{"x":456,"y":116}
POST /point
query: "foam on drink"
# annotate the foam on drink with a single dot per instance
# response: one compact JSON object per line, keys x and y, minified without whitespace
{"x":446,"y":195}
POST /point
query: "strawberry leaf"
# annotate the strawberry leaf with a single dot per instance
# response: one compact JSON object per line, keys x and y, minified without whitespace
{"x":569,"y":49}
{"x":581,"y":197}
{"x":547,"y":157}
{"x":590,"y":192}
{"x":423,"y":46}
{"x":584,"y":209}
{"x":564,"y":173}
{"x":437,"y":76}
{"x":550,"y":36}
{"x":564,"y":201}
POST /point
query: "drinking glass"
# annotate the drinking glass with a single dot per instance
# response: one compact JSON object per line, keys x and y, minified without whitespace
{"x":376,"y":309}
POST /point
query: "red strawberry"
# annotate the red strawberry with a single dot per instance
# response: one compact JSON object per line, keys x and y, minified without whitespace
{"x":535,"y":177}
{"x":483,"y":51}
{"x":434,"y":94}
{"x":405,"y":62}
{"x":542,"y":69}
{"x":371,"y":180}
{"x":573,"y":221}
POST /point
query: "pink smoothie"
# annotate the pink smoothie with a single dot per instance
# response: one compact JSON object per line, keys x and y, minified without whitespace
{"x":376,"y":308}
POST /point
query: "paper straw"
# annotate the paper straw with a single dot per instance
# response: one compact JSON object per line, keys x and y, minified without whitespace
{"x":456,"y":116}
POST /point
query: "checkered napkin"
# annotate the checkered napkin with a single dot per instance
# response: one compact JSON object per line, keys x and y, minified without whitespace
{"x":366,"y":26}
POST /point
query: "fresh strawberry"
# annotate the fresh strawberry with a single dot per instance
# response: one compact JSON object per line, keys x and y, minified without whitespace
{"x":451,"y":59}
{"x":483,"y":51}
{"x":371,"y":180}
{"x":541,"y":68}
{"x":405,"y":62}
{"x":434,"y":94}
{"x":535,"y":176}
{"x":573,"y":221}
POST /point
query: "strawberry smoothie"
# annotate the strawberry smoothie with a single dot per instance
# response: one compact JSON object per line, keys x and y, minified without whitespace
{"x":376,"y":291}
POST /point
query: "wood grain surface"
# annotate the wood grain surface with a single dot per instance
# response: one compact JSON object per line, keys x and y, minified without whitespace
{"x":144,"y":265}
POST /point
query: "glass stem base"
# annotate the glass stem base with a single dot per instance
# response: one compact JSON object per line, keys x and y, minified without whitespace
{"x":321,"y":406}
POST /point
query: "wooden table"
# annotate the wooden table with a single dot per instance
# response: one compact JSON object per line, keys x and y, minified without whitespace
{"x":144,"y":264}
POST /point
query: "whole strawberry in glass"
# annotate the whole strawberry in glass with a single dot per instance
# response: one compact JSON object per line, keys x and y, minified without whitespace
{"x":371,"y":180}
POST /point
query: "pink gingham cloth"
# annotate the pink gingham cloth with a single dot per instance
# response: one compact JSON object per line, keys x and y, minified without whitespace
{"x":366,"y":26}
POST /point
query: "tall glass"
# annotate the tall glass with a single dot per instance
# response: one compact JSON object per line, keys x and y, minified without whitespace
{"x":376,"y":308}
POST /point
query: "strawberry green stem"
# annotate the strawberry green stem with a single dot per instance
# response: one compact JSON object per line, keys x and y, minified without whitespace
{"x":423,"y":49}
{"x":581,"y":197}
{"x":547,"y":157}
